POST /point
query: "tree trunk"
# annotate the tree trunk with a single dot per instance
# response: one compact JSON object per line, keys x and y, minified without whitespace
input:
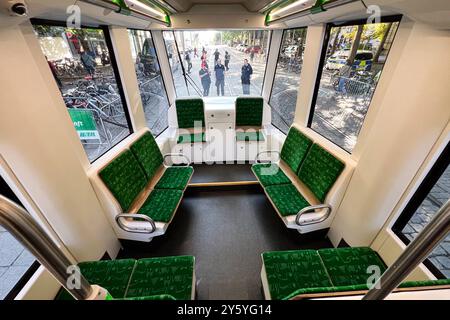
{"x":382,"y":43}
{"x":335,"y":42}
{"x":356,"y":43}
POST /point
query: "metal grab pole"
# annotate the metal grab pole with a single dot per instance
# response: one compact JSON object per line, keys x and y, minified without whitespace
{"x":417,"y":251}
{"x":20,"y":224}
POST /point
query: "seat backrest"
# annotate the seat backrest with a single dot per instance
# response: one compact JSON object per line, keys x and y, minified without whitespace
{"x":147,"y":152}
{"x":249,"y":111}
{"x":319,"y":171}
{"x":295,"y":148}
{"x":125,"y":178}
{"x":189,"y":111}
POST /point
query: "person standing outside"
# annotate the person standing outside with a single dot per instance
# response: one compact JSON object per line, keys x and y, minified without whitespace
{"x":216,"y":56}
{"x":246,"y":73}
{"x":195,"y":52}
{"x":227,"y":60}
{"x":188,"y":60}
{"x":344,"y":74}
{"x":252,"y":54}
{"x":219,"y":70}
{"x":88,"y":62}
{"x":205,"y":78}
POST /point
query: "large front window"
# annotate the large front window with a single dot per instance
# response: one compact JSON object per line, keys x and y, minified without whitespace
{"x":81,"y":62}
{"x":217,"y":63}
{"x":352,"y":64}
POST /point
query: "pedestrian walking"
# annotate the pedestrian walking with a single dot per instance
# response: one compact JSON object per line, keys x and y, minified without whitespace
{"x":188,"y":61}
{"x":252,"y":54}
{"x":219,"y":70}
{"x":205,"y":78}
{"x":195,"y":52}
{"x":88,"y":62}
{"x":246,"y":73}
{"x":227,"y":60}
{"x":344,"y":74}
{"x":216,"y":56}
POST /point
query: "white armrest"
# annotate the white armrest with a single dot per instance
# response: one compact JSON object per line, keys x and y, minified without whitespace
{"x":176,"y":155}
{"x":121,"y":216}
{"x":312,"y":209}
{"x":267,"y":151}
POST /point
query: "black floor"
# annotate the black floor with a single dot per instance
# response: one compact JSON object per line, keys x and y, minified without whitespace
{"x":226,"y":231}
{"x":204,"y":173}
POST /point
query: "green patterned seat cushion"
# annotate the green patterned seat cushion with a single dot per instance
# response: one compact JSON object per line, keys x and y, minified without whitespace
{"x":363,"y":287}
{"x":190,"y":112}
{"x":250,"y":136}
{"x":125,"y":178}
{"x":147,"y":152}
{"x":175,"y":178}
{"x":269,"y":174}
{"x":161,"y":204}
{"x":288,"y":271}
{"x":249,"y":111}
{"x":286,"y":199}
{"x":348,"y":266}
{"x":295,"y":148}
{"x":319,"y":171}
{"x":191,"y":138}
{"x":113,"y":275}
{"x":166,"y":275}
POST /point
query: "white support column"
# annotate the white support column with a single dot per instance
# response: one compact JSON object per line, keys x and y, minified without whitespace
{"x":310,"y":66}
{"x":271,"y":63}
{"x":164,"y":64}
{"x":125,"y":64}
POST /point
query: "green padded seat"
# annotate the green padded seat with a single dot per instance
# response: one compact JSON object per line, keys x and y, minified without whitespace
{"x":295,"y":148}
{"x":161,"y":204}
{"x":288,"y":271}
{"x":269,"y":174}
{"x":286,"y":199}
{"x":146,"y":150}
{"x":319,"y":171}
{"x":166,"y":275}
{"x":113,"y":275}
{"x":191,"y":138}
{"x":249,"y":111}
{"x":348,"y":266}
{"x":175,"y":178}
{"x":250,"y":136}
{"x":190,"y":112}
{"x":125,"y":178}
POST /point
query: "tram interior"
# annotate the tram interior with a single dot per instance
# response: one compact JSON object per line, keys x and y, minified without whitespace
{"x":225,"y":150}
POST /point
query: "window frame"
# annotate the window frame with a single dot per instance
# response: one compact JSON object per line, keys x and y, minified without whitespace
{"x":162,"y":78}
{"x":265,"y":69}
{"x":323,"y":54}
{"x":437,"y":170}
{"x":114,"y":65}
{"x":275,"y":73}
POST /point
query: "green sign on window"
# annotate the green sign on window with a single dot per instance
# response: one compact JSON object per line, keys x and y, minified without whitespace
{"x":84,"y":123}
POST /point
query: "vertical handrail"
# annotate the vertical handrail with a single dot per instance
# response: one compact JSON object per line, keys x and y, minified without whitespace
{"x":21,"y":225}
{"x":415,"y":253}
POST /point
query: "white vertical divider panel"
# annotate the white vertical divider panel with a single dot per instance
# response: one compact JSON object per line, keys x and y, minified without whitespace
{"x":166,"y":71}
{"x":313,"y":49}
{"x":271,"y":63}
{"x":125,"y":64}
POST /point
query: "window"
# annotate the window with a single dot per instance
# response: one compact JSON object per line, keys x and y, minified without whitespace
{"x":151,"y":85}
{"x":84,"y":68}
{"x":283,"y":98}
{"x":193,"y":55}
{"x":432,"y":194}
{"x":352,"y":61}
{"x":17,"y":265}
